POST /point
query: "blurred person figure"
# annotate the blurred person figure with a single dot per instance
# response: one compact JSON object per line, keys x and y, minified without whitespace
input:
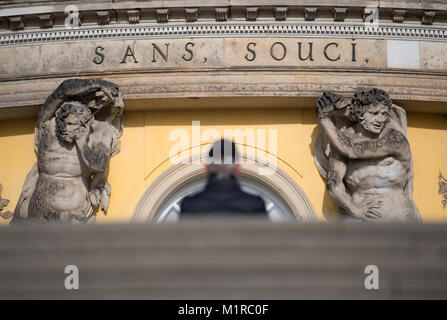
{"x":223,"y":195}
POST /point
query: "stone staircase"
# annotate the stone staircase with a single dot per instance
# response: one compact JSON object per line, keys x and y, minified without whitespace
{"x":224,"y":260}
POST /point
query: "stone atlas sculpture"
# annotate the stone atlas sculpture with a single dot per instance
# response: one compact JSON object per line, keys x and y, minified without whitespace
{"x":77,"y":131}
{"x":364,"y":155}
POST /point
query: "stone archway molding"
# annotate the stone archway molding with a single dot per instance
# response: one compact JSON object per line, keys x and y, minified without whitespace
{"x":190,"y":170}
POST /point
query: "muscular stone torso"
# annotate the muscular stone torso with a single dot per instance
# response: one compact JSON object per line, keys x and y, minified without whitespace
{"x":62,"y":186}
{"x":381,"y":180}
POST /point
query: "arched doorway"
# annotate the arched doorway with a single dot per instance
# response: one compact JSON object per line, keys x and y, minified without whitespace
{"x":285,"y":200}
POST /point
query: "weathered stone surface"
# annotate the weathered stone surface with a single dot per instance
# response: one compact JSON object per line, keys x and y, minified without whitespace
{"x":217,"y":53}
{"x":434,"y":55}
{"x":185,"y":54}
{"x":3,"y":204}
{"x":175,"y":68}
{"x":443,"y":189}
{"x":363,"y":154}
{"x":77,"y":131}
{"x":305,"y":53}
{"x":421,"y":93}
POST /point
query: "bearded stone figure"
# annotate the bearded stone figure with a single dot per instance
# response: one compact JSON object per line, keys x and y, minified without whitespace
{"x":364,"y":155}
{"x":77,"y":131}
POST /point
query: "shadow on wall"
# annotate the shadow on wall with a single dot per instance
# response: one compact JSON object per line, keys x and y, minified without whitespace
{"x":427,"y":121}
{"x":17,"y":127}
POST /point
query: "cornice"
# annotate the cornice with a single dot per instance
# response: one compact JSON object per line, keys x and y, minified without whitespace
{"x":16,"y":16}
{"x":229,"y":29}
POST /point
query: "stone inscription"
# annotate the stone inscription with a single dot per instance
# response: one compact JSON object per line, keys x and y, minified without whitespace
{"x":277,"y":51}
{"x":210,"y":53}
{"x":191,"y":54}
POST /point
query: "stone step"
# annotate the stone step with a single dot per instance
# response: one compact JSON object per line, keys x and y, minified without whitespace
{"x":224,"y":259}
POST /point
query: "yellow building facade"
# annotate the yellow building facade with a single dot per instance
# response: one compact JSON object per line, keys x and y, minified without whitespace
{"x":189,"y":74}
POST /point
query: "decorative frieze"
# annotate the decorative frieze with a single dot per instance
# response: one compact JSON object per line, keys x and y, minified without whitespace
{"x":339,"y":14}
{"x":334,"y":30}
{"x":192,"y":14}
{"x":16,"y":23}
{"x":399,"y":15}
{"x":162,"y":15}
{"x":46,"y":21}
{"x":221,"y":14}
{"x":252,"y":13}
{"x":370,"y":15}
{"x":4,"y":24}
{"x":428,"y":17}
{"x":310,"y":13}
{"x":281,"y":13}
{"x":134,"y":16}
{"x":103,"y":17}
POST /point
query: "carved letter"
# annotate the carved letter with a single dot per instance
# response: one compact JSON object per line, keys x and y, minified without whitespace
{"x":163,"y":55}
{"x":353,"y":52}
{"x":129,"y":53}
{"x":101,"y":56}
{"x":191,"y":55}
{"x":325,"y":51}
{"x":252,"y":51}
{"x":309,"y":56}
{"x":283,"y":48}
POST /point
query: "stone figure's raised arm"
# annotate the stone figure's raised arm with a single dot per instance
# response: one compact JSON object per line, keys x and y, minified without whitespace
{"x":95,"y":151}
{"x":335,"y":185}
{"x":392,"y":142}
{"x":67,"y":89}
{"x":73,"y":89}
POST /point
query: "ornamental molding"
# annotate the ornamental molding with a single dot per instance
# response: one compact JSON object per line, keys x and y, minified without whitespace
{"x":222,"y":30}
{"x":191,"y":169}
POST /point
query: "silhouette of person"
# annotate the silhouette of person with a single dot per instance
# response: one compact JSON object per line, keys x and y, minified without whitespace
{"x":223,"y":195}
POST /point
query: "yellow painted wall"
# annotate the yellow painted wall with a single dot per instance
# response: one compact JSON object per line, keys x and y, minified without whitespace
{"x":145,"y":149}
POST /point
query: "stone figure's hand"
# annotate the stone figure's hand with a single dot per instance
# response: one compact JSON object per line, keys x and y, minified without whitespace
{"x":3,"y":203}
{"x":94,"y":196}
{"x":372,"y":209}
{"x":105,"y":95}
{"x":105,"y":196}
{"x":327,"y":103}
{"x":106,"y":86}
{"x":101,"y":195}
{"x":356,"y":213}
